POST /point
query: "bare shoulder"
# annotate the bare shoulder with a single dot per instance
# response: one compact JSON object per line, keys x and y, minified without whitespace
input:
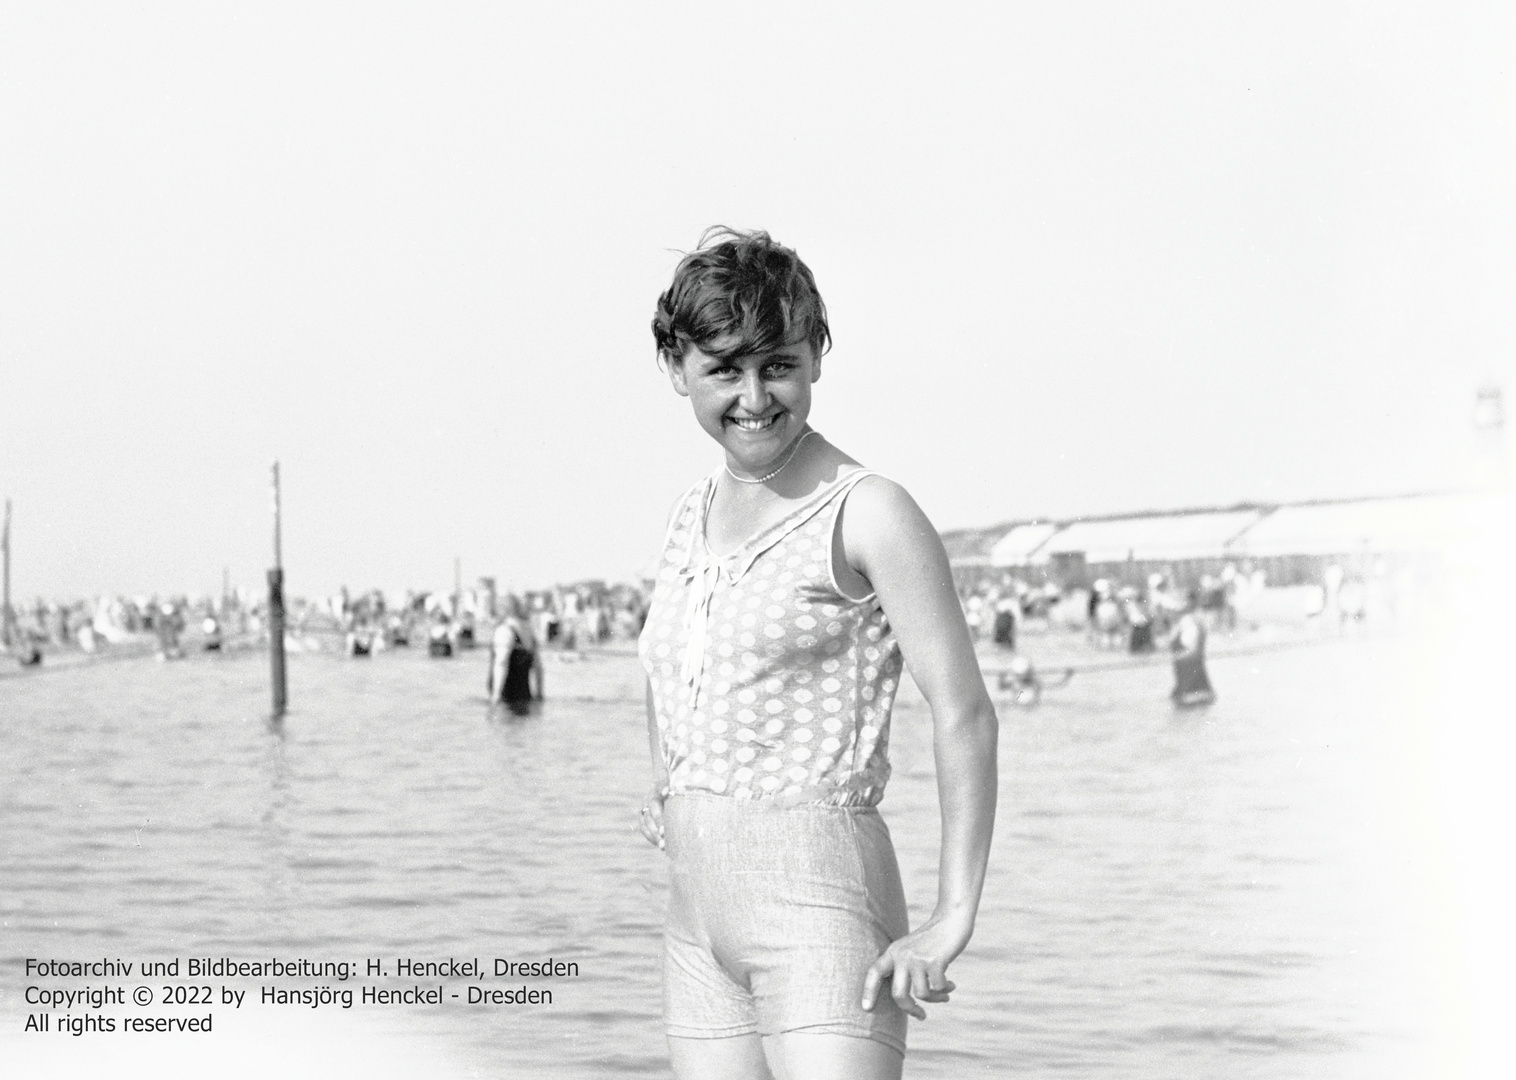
{"x":878,"y":507}
{"x":885,"y":534}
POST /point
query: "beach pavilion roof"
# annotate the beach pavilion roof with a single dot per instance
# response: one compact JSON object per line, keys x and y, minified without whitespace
{"x":1416,"y":523}
{"x":1019,"y":547}
{"x":971,"y":547}
{"x":1470,"y":522}
{"x":1206,"y":534}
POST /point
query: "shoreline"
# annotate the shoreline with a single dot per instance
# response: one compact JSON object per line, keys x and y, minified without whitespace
{"x":1051,"y":649}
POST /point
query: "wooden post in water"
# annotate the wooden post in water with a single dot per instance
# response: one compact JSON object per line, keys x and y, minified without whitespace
{"x":5,"y":604}
{"x":276,"y":613}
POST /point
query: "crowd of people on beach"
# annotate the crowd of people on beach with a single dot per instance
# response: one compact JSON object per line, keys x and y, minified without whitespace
{"x":1143,"y":611}
{"x":1159,"y":613}
{"x":1138,"y":615}
{"x":1115,"y":615}
{"x":567,"y":617}
{"x":93,"y":625}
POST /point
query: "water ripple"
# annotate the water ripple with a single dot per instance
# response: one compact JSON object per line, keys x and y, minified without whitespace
{"x":1169,"y":896}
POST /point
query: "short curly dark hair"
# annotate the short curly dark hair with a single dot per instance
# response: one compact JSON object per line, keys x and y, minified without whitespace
{"x":744,"y":285}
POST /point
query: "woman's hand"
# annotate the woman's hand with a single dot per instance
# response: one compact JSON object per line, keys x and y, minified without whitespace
{"x":650,"y":817}
{"x":916,"y":965}
{"x":890,"y":542}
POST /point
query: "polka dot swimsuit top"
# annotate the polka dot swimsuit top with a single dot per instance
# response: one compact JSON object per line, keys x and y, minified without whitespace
{"x":768,"y":682}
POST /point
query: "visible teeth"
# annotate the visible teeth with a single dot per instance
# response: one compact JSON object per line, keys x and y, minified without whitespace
{"x":757,"y":424}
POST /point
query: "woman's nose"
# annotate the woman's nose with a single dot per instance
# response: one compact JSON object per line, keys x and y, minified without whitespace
{"x":755,"y":395}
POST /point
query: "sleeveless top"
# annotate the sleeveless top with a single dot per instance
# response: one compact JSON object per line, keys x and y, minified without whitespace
{"x":768,"y":682}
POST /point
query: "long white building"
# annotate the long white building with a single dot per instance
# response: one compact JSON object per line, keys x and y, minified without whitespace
{"x":1291,"y":542}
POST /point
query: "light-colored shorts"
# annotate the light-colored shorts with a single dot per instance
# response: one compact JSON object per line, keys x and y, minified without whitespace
{"x":775,"y":916}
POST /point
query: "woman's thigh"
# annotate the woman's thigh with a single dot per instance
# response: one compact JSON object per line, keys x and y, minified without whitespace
{"x":794,"y":1055}
{"x":738,"y":1056}
{"x":799,"y":1055}
{"x":775,"y":917}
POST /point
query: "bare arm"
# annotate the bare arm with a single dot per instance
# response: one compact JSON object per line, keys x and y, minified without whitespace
{"x":500,"y":654}
{"x":497,"y":674}
{"x":650,"y":818}
{"x":889,"y":541}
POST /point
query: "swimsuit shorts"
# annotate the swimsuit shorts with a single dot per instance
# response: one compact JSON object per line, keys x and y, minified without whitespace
{"x":776,"y":914}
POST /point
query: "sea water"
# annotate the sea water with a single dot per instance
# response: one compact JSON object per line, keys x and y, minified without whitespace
{"x":1252,"y":889}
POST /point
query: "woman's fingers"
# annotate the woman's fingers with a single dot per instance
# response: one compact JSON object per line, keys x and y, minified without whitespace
{"x":930,"y":986}
{"x":650,"y":822}
{"x":876,"y":976}
{"x":920,"y":986}
{"x":912,"y":980}
{"x":900,"y":990}
{"x":929,"y":983}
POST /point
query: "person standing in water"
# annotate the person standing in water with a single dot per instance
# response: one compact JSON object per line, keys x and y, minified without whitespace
{"x":1192,"y":684}
{"x":793,"y":585}
{"x":515,"y":669}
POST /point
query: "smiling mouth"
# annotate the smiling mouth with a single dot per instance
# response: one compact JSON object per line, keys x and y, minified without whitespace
{"x":753,"y":423}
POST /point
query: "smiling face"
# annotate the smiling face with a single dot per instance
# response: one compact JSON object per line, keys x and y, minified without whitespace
{"x":754,"y":405}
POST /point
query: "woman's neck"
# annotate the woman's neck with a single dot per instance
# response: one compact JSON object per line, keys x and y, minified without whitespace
{"x":739,"y":512}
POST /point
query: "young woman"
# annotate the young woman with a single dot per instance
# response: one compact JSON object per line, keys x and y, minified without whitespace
{"x":792,"y":586}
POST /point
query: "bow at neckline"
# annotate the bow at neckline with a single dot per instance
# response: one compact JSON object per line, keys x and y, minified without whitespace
{"x":702,"y":570}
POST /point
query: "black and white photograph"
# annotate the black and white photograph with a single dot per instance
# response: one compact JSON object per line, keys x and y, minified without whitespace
{"x":790,"y":541}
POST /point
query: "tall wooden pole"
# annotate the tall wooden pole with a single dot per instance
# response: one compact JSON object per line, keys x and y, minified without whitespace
{"x":5,"y":604}
{"x":276,"y":612}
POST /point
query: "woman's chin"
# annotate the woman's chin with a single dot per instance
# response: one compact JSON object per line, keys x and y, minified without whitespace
{"x":752,"y":448}
{"x":757,"y":458}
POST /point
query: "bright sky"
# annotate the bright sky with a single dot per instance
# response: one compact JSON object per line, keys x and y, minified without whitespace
{"x":1078,"y":259}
